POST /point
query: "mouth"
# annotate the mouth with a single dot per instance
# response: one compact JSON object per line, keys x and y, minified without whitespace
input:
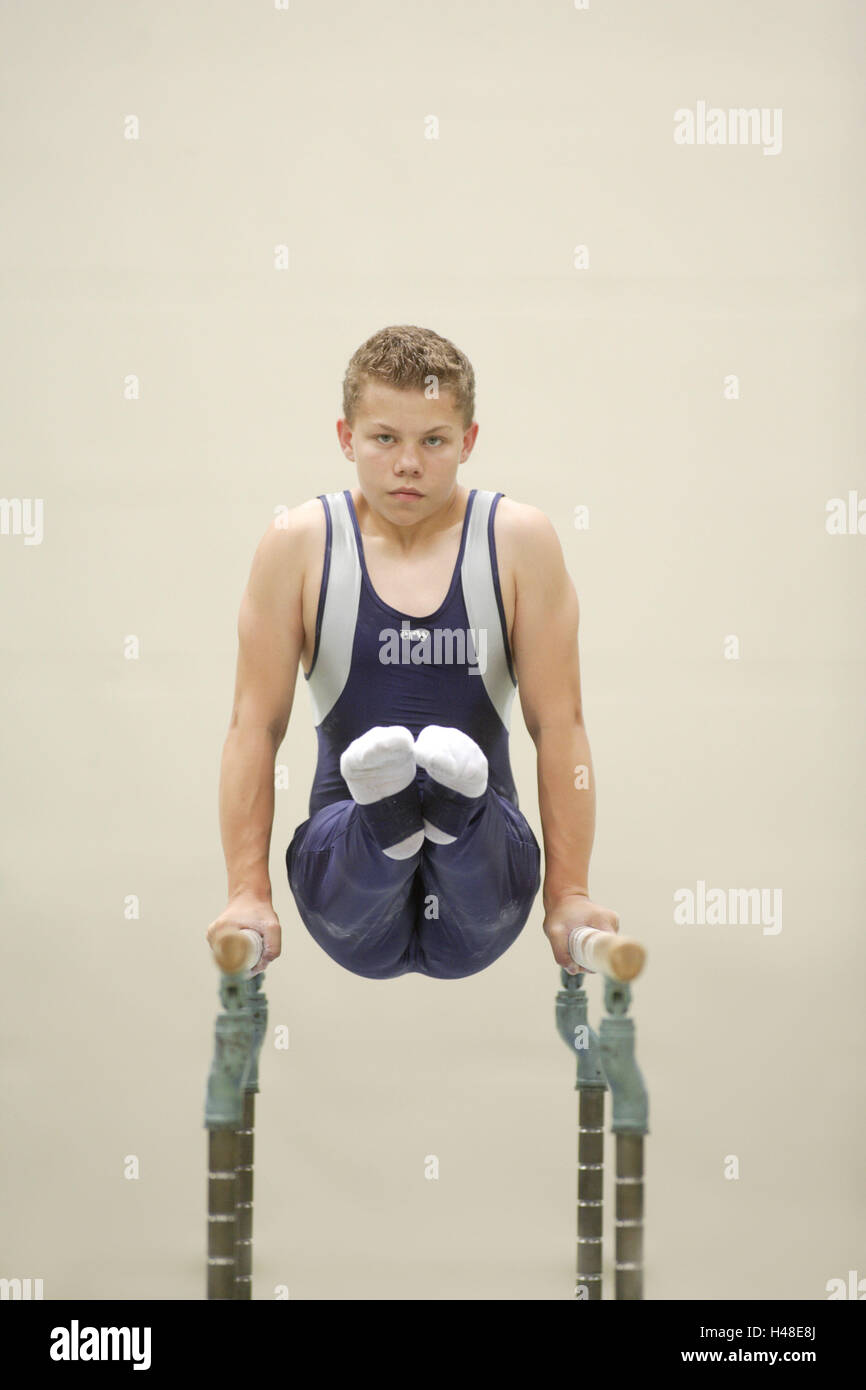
{"x":405,"y":492}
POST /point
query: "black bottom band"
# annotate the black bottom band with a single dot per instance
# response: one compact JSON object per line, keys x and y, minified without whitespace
{"x":394,"y":818}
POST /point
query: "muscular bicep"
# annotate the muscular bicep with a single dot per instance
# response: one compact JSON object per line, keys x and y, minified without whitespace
{"x":544,"y":638}
{"x":270,"y":633}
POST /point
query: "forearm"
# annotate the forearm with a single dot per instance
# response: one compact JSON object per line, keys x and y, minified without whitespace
{"x":246,"y":808}
{"x":566,"y":801}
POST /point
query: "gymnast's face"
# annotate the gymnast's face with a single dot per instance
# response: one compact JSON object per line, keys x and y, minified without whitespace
{"x":402,"y":439}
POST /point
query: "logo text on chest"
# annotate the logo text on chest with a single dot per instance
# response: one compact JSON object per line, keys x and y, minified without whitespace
{"x":438,"y":646}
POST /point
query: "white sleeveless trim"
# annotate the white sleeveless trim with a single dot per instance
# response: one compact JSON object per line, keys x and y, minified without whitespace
{"x":333,"y":659}
{"x":482,"y":610}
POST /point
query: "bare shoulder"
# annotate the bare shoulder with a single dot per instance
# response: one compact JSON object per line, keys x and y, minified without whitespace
{"x":284,"y":559}
{"x":528,"y":533}
{"x":297,"y":524}
{"x":293,"y":532}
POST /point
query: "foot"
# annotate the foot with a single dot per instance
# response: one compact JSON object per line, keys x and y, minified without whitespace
{"x":454,"y":760}
{"x":378,"y":765}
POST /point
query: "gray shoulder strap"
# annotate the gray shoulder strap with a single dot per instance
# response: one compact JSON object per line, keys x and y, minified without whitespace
{"x":342,"y":578}
{"x":479,"y":594}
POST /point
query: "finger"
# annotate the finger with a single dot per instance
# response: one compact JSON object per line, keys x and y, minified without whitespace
{"x":272,"y":947}
{"x":562,"y":957}
{"x":603,"y":921}
{"x":273,"y":940}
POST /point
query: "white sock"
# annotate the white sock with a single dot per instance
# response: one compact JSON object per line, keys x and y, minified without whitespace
{"x":378,"y":764}
{"x":453,"y":759}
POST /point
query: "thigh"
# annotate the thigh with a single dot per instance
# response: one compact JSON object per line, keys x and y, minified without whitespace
{"x":477,"y":893}
{"x":357,"y":903}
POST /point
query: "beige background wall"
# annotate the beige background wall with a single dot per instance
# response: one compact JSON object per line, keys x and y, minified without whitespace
{"x":601,"y":386}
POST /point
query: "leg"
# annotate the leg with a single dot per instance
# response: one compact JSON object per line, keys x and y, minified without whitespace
{"x":480,"y":865}
{"x":357,"y":903}
{"x":482,"y":884}
{"x":352,"y":866}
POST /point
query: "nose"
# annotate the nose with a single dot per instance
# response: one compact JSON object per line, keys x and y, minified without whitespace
{"x":408,"y":465}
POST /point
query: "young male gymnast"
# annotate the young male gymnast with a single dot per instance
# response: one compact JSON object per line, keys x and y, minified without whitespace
{"x":416,"y":607}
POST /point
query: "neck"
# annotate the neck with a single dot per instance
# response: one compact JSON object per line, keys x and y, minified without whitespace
{"x":409,"y":534}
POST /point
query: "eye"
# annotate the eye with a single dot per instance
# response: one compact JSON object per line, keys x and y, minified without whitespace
{"x":384,"y":436}
{"x":435,"y":436}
